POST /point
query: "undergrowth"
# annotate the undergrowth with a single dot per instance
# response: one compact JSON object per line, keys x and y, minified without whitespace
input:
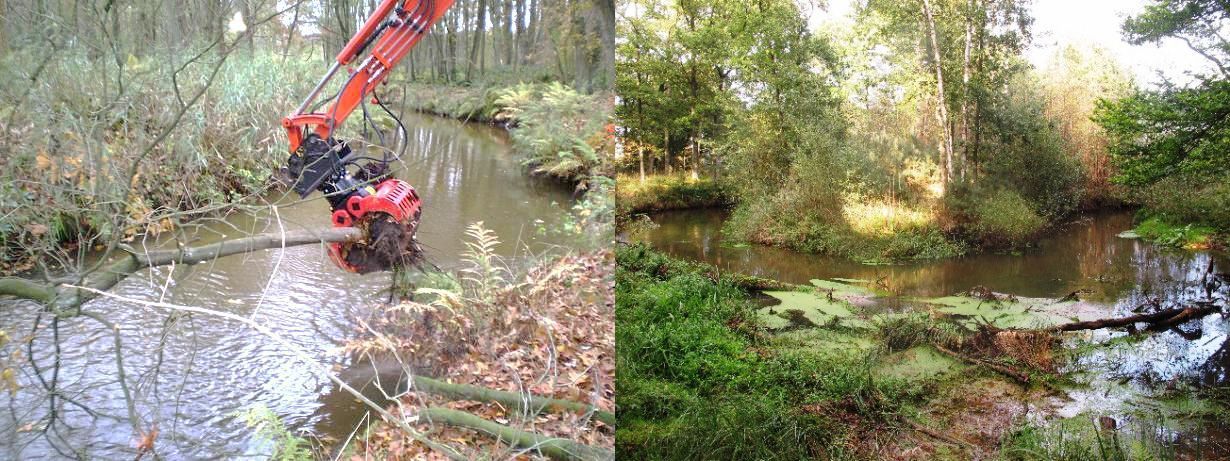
{"x":697,"y":381}
{"x":667,"y":192}
{"x":69,"y":161}
{"x":558,"y":131}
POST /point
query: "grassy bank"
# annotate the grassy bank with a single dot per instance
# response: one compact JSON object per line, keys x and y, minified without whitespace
{"x":708,"y":372}
{"x":697,"y":379}
{"x":1188,"y":211}
{"x":667,"y":192}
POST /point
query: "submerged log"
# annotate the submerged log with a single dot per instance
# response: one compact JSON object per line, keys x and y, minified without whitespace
{"x":1001,"y":369}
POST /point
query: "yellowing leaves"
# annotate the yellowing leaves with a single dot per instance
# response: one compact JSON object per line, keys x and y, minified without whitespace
{"x":8,"y":377}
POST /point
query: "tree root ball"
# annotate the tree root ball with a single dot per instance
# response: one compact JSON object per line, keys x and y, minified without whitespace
{"x":389,"y":244}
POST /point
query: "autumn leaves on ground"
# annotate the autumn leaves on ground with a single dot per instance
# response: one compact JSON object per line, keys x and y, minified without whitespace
{"x":543,"y":333}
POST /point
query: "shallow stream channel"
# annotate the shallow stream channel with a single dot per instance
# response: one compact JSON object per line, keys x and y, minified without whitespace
{"x":194,"y":377}
{"x":1156,"y":389}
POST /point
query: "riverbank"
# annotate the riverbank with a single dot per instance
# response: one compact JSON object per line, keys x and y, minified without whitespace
{"x":832,"y":370}
{"x":503,"y":336}
{"x":662,"y":192}
{"x":70,"y":176}
{"x":558,"y":131}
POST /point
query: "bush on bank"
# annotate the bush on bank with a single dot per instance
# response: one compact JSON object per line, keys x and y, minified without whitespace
{"x":73,"y":153}
{"x":558,"y":131}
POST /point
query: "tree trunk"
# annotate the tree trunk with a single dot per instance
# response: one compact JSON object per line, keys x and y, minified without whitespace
{"x":941,"y":101}
{"x":562,"y":449}
{"x":478,"y":38}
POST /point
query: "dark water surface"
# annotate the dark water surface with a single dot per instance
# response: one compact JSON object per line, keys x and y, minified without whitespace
{"x":193,"y":377}
{"x":1084,"y":255}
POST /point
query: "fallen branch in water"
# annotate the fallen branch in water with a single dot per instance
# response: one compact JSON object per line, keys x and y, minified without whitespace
{"x":937,"y":435}
{"x":556,"y":448}
{"x":63,"y":297}
{"x":1158,"y":321}
{"x":509,"y":399}
{"x":1004,"y":370}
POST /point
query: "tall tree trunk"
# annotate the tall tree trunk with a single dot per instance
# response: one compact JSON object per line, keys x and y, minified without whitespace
{"x":606,"y":33}
{"x":941,"y":100}
{"x":640,"y":151}
{"x":478,"y":38}
{"x":965,"y":89}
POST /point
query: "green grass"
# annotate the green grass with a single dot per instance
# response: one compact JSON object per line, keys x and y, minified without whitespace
{"x":667,"y":192}
{"x":820,"y":233}
{"x":697,"y":379}
{"x":1190,"y":236}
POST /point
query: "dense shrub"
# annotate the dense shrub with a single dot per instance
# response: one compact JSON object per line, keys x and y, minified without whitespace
{"x":76,"y":150}
{"x":1005,"y":218}
{"x":1198,"y":199}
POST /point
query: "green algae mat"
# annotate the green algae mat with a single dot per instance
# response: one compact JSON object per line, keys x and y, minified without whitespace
{"x":828,"y":306}
{"x":919,"y":362}
{"x":1003,"y":313}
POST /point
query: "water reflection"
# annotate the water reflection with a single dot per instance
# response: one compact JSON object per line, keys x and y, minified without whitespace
{"x":193,"y":375}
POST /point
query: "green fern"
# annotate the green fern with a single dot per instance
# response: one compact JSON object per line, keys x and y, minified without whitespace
{"x":485,"y":272}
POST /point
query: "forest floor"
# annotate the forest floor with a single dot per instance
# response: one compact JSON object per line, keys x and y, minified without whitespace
{"x":836,"y":374}
{"x":549,"y":333}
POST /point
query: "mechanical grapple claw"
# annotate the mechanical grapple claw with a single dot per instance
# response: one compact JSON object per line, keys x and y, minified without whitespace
{"x":391,"y":217}
{"x":388,"y":209}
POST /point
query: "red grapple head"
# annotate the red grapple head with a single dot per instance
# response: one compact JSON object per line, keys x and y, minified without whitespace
{"x":393,"y":198}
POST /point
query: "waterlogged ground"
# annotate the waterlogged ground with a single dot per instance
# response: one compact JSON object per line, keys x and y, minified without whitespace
{"x":1148,"y":392}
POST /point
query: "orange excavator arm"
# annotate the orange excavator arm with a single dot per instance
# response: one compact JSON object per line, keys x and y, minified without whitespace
{"x":395,"y":28}
{"x":360,"y":189}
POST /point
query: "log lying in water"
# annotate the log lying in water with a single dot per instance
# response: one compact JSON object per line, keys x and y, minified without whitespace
{"x":554,"y":447}
{"x":64,"y":298}
{"x":197,"y":254}
{"x":1158,"y":321}
{"x":1020,"y":376}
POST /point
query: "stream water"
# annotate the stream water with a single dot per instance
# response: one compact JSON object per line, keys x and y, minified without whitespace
{"x":1113,"y":277}
{"x":193,"y":377}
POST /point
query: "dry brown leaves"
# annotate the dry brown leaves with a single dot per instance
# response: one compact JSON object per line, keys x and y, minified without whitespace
{"x":551,"y":334}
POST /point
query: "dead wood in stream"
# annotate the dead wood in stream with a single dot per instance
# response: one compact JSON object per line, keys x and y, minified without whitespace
{"x":1019,"y":376}
{"x":63,"y":299}
{"x":1158,"y":321}
{"x":556,"y":448}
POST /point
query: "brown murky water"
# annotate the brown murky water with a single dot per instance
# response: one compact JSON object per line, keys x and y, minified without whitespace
{"x":194,"y":375}
{"x":1114,"y":276}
